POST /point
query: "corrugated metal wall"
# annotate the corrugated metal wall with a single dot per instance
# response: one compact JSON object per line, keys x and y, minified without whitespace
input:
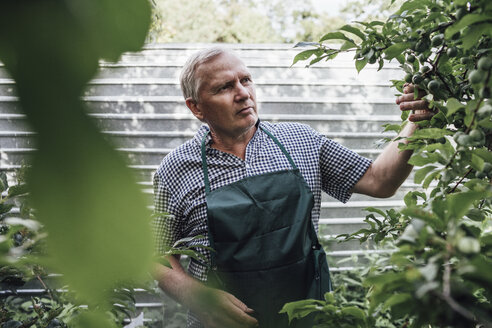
{"x":137,"y":102}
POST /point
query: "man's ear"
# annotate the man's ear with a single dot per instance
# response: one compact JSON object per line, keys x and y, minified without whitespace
{"x":193,"y":106}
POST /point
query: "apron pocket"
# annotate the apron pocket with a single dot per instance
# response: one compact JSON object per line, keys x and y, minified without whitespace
{"x":322,"y":281}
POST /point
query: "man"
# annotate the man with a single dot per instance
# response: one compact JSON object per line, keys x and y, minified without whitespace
{"x":253,"y":189}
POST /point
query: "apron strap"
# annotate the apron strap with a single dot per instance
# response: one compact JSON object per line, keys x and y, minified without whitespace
{"x":204,"y":165}
{"x":286,"y":153}
{"x":204,"y":157}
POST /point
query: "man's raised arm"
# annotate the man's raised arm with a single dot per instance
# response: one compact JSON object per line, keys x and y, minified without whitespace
{"x":383,"y":178}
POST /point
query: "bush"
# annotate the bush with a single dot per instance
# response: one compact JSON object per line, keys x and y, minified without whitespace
{"x":441,"y":270}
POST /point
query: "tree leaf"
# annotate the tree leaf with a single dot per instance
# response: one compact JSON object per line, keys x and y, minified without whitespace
{"x":396,"y":49}
{"x":483,"y":153}
{"x":430,"y":133}
{"x":477,"y":162}
{"x":429,"y":179}
{"x":300,"y":309}
{"x":467,"y":20}
{"x":426,"y":216}
{"x":410,"y":6}
{"x":360,"y":64}
{"x":354,"y":311}
{"x":453,"y":105}
{"x":335,"y":36}
{"x":422,"y":173}
{"x":459,"y":203}
{"x":306,"y":44}
{"x":397,"y":299}
{"x":472,"y":35}
{"x":348,"y":45}
{"x":353,"y":30}
{"x":303,"y":55}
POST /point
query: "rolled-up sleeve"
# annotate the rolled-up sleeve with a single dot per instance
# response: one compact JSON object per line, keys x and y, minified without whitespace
{"x":341,"y":168}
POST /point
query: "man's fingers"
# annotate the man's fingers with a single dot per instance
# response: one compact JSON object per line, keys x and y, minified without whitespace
{"x":420,"y":108}
{"x":405,"y":97}
{"x":234,"y":300}
{"x":245,"y":311}
{"x":408,"y":88}
{"x":414,"y":105}
{"x":421,"y":115}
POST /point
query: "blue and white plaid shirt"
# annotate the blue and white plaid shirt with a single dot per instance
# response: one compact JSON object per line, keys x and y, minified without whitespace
{"x":179,"y":187}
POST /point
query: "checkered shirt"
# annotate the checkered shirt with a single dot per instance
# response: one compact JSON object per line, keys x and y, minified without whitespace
{"x":180,"y":191}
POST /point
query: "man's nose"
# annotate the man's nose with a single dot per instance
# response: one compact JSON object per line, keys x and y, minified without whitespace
{"x":242,"y":92}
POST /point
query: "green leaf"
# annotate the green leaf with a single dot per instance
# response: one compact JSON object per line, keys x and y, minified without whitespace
{"x":303,"y":55}
{"x":306,"y":44}
{"x":334,"y":36}
{"x":96,"y":318}
{"x":317,"y":59}
{"x":485,"y":123}
{"x":397,"y":299}
{"x":459,"y":203}
{"x":479,"y":270}
{"x":477,"y":162}
{"x":95,"y":215}
{"x":422,"y":173}
{"x":5,"y":208}
{"x":410,"y":6}
{"x":410,"y":199}
{"x":300,"y":309}
{"x":353,"y":30}
{"x":360,"y":64}
{"x":355,"y":312}
{"x":425,"y":158}
{"x":429,"y":179}
{"x":483,"y":153}
{"x":453,"y":105}
{"x":3,"y":182}
{"x":467,"y":20}
{"x":396,"y":49}
{"x":18,"y":190}
{"x":392,"y":127}
{"x":375,"y":210}
{"x":348,"y":45}
{"x":472,"y":35}
{"x":428,"y":217}
{"x":430,"y":133}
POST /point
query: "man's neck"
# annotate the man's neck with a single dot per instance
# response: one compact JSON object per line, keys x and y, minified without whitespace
{"x":235,"y":145}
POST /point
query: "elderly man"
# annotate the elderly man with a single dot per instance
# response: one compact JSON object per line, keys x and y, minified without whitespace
{"x":253,"y":189}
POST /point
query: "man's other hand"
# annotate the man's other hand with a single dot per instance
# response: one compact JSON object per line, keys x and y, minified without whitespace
{"x":420,"y":108}
{"x":219,"y":309}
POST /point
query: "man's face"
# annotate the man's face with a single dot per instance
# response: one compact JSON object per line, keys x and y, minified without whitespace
{"x":227,"y":99}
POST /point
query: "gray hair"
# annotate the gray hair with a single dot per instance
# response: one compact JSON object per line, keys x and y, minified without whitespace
{"x":189,"y":82}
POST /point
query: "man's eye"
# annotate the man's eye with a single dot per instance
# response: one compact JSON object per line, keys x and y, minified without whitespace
{"x":246,"y":79}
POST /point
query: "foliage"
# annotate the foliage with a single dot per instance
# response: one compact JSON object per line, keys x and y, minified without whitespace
{"x":22,"y":247}
{"x":240,"y":21}
{"x":84,"y":194}
{"x":348,"y":305}
{"x":440,"y":273}
{"x":190,"y":21}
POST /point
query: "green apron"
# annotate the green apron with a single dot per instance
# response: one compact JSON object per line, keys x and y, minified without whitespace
{"x":266,"y":249}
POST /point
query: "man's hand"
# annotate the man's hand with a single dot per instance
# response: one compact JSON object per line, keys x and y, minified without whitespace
{"x":213,"y":307}
{"x":420,"y":108}
{"x":218,"y":309}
